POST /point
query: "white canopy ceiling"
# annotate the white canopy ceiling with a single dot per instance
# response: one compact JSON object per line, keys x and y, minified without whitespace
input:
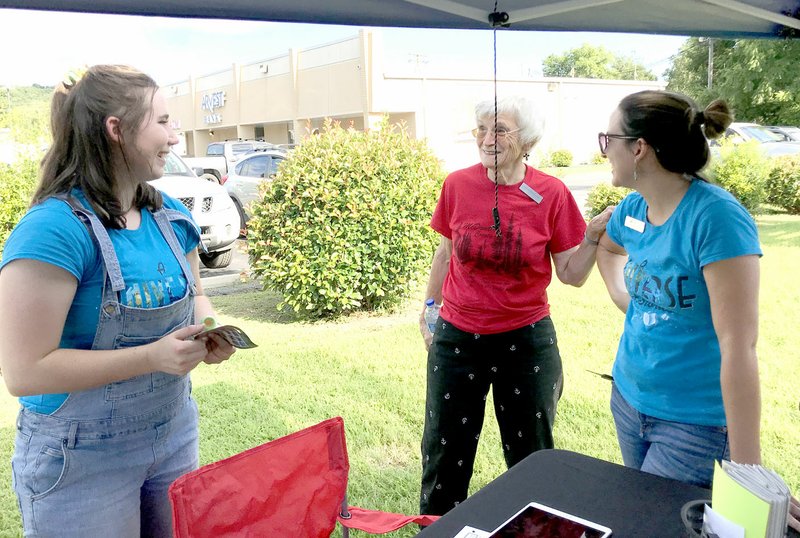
{"x":713,"y":18}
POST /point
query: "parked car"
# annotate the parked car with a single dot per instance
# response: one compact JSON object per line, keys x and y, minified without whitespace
{"x":788,"y":134}
{"x":243,"y":181}
{"x":221,"y":156}
{"x":211,"y":207}
{"x":772,"y":144}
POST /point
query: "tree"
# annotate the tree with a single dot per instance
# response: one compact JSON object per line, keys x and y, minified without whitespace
{"x":756,"y":77}
{"x":588,"y":61}
{"x":17,"y":183}
{"x":26,"y":112}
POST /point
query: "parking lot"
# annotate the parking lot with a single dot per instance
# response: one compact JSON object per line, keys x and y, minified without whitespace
{"x":212,"y":278}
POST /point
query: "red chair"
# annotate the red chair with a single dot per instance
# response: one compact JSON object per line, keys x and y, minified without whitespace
{"x":293,"y":486}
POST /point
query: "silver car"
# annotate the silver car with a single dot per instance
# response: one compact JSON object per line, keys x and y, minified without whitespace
{"x":242,"y":183}
{"x":210,"y":206}
{"x":771,"y":144}
{"x":788,"y":134}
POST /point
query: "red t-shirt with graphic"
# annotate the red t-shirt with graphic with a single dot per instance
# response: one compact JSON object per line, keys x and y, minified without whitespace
{"x":498,"y":284}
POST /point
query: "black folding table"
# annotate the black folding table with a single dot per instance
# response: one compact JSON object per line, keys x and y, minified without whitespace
{"x":630,"y":502}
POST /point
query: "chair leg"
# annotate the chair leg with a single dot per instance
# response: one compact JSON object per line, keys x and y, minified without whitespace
{"x":344,"y":513}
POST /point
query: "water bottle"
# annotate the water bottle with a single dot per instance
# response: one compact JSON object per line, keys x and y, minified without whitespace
{"x":431,"y":314}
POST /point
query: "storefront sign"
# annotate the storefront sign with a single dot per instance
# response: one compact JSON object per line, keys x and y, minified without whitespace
{"x":211,"y":102}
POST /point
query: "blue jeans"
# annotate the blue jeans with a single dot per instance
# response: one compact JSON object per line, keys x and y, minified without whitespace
{"x":684,"y":452}
{"x":103,"y":477}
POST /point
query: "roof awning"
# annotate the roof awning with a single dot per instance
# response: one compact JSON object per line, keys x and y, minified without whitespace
{"x":712,"y":18}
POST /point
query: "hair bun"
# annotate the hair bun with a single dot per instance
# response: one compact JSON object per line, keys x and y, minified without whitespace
{"x":717,"y":116}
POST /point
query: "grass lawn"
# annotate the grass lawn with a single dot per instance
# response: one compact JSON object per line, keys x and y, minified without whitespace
{"x":370,"y":369}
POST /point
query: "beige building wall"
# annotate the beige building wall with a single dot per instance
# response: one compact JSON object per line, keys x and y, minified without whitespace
{"x":287,"y":98}
{"x":330,"y":80}
{"x":575,"y":110}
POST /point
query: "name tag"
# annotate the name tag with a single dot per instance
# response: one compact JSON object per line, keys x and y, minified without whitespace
{"x":634,"y":224}
{"x":532,"y":194}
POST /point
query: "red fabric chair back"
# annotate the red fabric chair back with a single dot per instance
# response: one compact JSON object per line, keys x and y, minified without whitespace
{"x":292,"y":486}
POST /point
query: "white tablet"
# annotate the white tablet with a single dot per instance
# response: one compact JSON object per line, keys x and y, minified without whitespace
{"x":537,"y":520}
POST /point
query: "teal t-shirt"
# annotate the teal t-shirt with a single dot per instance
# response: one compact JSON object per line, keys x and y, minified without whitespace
{"x":668,"y":360}
{"x":51,"y":233}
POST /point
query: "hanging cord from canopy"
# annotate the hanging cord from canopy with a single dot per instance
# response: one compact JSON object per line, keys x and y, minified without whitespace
{"x":496,"y":19}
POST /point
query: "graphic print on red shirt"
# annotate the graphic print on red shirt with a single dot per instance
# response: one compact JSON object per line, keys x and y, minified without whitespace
{"x":497,"y":284}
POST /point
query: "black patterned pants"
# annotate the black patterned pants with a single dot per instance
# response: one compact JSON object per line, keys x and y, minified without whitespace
{"x":524,"y":368}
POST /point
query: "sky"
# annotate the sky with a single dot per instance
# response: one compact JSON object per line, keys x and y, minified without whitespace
{"x":40,"y":47}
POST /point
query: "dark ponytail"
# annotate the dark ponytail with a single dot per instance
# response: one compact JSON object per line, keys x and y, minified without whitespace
{"x":674,"y":127}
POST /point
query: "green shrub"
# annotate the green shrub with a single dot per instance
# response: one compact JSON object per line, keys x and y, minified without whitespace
{"x":597,"y":158}
{"x":539,"y":158}
{"x":783,"y":184}
{"x":603,"y":195}
{"x":742,"y":169}
{"x":561,"y":158}
{"x":345,"y":224}
{"x":17,"y":183}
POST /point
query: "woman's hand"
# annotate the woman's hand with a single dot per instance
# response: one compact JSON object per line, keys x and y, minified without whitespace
{"x":427,"y":335}
{"x":178,"y":353}
{"x":218,"y":349}
{"x":597,"y":226}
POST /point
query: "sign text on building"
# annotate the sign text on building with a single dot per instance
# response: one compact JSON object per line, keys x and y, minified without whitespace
{"x":210,"y":102}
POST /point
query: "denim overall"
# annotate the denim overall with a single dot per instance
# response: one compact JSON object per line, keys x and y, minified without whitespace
{"x":101,"y":464}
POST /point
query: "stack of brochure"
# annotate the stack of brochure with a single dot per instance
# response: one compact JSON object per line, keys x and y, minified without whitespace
{"x":753,"y":497}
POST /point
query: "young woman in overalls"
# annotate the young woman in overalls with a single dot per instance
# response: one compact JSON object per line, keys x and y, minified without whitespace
{"x":99,"y":301}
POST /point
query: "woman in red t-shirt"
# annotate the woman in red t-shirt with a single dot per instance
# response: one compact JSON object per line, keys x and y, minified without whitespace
{"x":501,"y":223}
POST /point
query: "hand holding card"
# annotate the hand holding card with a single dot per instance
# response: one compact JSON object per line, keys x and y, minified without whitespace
{"x":233,"y":335}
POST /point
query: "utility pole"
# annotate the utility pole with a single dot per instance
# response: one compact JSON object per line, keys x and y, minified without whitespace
{"x":710,"y":62}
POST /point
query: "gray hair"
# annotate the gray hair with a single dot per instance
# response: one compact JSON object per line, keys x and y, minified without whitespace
{"x":529,"y":120}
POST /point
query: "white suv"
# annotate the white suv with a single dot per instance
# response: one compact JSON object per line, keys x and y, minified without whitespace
{"x":210,"y":206}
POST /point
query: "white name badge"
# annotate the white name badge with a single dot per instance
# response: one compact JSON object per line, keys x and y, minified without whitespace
{"x":532,"y":194}
{"x":634,"y":224}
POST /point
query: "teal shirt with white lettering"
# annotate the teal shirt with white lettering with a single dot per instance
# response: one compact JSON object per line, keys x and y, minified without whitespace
{"x":668,"y":360}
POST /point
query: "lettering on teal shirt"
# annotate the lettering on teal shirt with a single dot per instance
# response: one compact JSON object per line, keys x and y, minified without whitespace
{"x":657,"y":292}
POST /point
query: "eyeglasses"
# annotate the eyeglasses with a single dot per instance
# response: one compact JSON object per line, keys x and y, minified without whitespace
{"x":602,"y":139}
{"x":499,"y":133}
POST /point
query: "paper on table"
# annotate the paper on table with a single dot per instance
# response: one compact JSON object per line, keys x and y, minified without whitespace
{"x":737,"y":504}
{"x":471,"y":532}
{"x":722,"y":527}
{"x":768,"y":486}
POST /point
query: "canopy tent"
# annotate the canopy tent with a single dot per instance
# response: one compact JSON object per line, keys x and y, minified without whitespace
{"x":712,"y":18}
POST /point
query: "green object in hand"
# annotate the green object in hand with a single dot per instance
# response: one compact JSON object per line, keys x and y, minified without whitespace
{"x":209,"y":323}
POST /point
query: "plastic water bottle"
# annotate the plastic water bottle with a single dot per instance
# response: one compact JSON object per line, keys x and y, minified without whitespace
{"x":431,"y":314}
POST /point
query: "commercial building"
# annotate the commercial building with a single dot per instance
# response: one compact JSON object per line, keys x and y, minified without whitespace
{"x":286,"y":98}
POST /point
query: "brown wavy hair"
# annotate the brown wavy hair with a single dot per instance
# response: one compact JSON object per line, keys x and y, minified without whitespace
{"x":81,"y":153}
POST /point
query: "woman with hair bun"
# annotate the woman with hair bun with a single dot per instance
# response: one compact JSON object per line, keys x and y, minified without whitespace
{"x":681,"y":259}
{"x":100,"y":298}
